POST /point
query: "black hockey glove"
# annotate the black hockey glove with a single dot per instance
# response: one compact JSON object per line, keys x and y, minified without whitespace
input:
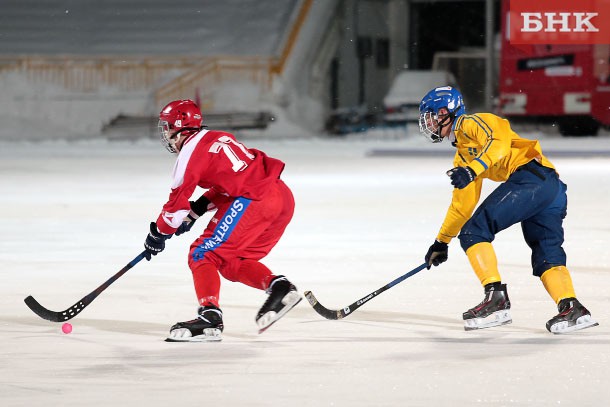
{"x":198,"y":208}
{"x":186,"y":225}
{"x":155,"y":241}
{"x":437,"y":254}
{"x":461,"y":176}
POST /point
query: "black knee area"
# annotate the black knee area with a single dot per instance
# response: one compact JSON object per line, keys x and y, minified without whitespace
{"x":467,"y":240}
{"x":539,"y":269}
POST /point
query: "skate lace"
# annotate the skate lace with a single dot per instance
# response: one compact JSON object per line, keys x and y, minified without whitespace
{"x":489,"y":300}
{"x":267,"y":303}
{"x":269,"y":289}
{"x":273,"y":295}
{"x":201,"y":314}
{"x":568,"y":307}
{"x":485,"y":302}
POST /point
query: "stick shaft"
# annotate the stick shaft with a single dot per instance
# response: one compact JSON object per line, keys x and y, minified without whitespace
{"x":342,"y":313}
{"x":75,"y":309}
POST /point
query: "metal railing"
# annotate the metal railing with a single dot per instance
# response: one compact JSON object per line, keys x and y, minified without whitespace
{"x":201,"y":81}
{"x":90,"y":74}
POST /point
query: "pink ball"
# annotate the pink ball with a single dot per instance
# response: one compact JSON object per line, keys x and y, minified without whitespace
{"x":66,"y":328}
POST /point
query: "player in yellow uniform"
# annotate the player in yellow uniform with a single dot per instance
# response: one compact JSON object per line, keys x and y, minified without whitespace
{"x":530,"y":193}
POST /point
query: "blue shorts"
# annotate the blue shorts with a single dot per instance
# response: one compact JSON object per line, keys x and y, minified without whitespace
{"x":533,"y":196}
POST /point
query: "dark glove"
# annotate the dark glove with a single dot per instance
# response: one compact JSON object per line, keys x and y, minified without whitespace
{"x":461,"y":176}
{"x":437,"y":254}
{"x":186,"y":225}
{"x":155,"y":241}
{"x":198,"y":208}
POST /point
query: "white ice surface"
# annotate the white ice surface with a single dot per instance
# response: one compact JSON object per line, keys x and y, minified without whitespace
{"x":73,"y":214}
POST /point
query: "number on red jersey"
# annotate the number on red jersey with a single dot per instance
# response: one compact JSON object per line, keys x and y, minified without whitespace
{"x":236,"y":152}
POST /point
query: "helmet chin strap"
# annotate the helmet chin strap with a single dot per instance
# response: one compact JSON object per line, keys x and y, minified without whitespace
{"x":183,"y":135}
{"x":444,"y":123}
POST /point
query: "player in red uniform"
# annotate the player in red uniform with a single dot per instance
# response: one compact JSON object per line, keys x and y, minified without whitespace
{"x":253,"y":208}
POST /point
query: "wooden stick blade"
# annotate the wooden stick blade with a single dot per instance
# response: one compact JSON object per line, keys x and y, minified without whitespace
{"x":41,"y":311}
{"x":322,"y":310}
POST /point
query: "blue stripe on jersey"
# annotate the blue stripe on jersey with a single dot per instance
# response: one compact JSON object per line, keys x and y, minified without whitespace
{"x":225,"y":227}
{"x":487,"y":128}
{"x":481,"y":162}
{"x":457,"y":122}
{"x":489,"y":132}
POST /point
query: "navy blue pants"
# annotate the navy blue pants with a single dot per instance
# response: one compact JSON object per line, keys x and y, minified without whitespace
{"x":533,"y":196}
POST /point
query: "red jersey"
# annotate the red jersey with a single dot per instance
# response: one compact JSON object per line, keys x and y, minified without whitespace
{"x":215,"y":161}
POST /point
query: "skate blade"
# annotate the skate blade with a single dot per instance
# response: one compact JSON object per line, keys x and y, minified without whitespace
{"x":184,"y":335}
{"x":581,"y":323}
{"x":290,"y":300}
{"x":496,"y":319}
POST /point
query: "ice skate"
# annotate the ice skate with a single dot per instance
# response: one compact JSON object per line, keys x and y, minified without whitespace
{"x":283,"y":296}
{"x":494,"y":310}
{"x":207,"y":327}
{"x":573,"y":316}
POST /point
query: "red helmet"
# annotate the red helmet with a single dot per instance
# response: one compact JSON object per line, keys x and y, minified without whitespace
{"x":176,"y":117}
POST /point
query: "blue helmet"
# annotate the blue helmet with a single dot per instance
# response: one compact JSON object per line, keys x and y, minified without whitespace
{"x":444,"y":97}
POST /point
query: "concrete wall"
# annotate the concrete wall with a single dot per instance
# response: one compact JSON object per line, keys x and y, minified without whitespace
{"x":302,"y":89}
{"x":363,"y":81}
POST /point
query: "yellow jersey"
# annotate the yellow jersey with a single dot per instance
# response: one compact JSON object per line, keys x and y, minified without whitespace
{"x":487,"y":144}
